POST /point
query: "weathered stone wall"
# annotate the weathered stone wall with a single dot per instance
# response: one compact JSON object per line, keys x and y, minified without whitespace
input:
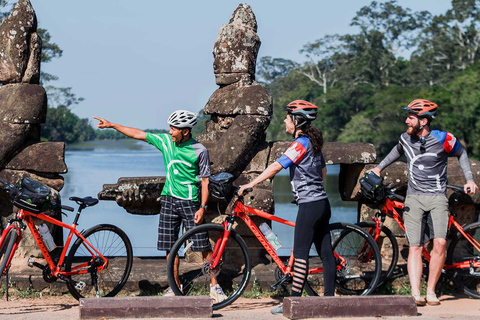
{"x":23,"y":108}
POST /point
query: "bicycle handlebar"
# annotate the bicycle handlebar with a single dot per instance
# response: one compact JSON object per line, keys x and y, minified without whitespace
{"x":6,"y":185}
{"x":393,"y":195}
{"x":458,"y":189}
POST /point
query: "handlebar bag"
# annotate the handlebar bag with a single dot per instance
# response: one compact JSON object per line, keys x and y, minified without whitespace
{"x":372,"y":187}
{"x":220,"y":186}
{"x":31,"y":196}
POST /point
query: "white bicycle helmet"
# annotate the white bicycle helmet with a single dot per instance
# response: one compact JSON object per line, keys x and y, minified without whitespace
{"x":182,"y":119}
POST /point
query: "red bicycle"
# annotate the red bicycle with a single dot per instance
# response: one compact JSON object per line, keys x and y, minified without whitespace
{"x":98,"y":263}
{"x":463,"y":254}
{"x":230,"y":261}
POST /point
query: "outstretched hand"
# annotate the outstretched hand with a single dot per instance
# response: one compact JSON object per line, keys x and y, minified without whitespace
{"x":103,"y":123}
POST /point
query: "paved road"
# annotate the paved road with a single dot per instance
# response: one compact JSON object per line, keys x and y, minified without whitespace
{"x":65,"y":307}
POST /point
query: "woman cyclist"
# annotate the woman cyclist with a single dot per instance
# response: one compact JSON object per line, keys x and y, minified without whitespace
{"x":307,"y":173}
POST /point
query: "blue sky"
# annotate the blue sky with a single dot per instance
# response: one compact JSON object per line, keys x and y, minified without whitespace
{"x":135,"y":62}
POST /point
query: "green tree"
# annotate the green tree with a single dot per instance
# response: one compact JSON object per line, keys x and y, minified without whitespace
{"x":63,"y":125}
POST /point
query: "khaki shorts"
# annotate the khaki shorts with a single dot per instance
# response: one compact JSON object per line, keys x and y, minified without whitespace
{"x":424,"y":212}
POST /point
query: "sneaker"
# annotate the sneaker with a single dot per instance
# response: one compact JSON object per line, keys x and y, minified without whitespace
{"x":216,"y":293}
{"x":432,"y":299}
{"x":170,"y":292}
{"x":420,"y":301}
{"x":277,"y":310}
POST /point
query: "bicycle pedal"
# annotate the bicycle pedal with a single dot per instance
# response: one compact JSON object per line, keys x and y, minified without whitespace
{"x":80,"y":285}
{"x":31,"y":261}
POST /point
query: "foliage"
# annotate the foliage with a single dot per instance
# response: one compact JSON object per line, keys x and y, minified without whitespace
{"x":360,"y":81}
{"x":63,"y":125}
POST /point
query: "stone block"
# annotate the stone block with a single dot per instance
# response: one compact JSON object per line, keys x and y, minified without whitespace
{"x":23,"y":103}
{"x":348,"y":306}
{"x":146,"y":307}
{"x":137,"y":195}
{"x":237,"y":100}
{"x":341,"y":153}
{"x":41,"y":157}
{"x":13,"y":137}
{"x":232,"y":149}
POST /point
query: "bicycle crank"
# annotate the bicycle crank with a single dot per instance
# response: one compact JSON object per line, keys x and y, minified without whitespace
{"x":287,"y":277}
{"x":78,"y":285}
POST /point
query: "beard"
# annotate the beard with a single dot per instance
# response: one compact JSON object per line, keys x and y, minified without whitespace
{"x":412,"y":131}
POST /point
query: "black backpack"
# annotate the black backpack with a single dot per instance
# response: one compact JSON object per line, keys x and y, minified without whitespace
{"x":31,"y":196}
{"x":372,"y":187}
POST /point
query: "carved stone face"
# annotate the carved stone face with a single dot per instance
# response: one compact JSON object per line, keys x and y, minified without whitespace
{"x":236,"y":49}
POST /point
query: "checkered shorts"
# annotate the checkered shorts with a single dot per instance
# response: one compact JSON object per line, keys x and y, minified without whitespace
{"x":173,"y":212}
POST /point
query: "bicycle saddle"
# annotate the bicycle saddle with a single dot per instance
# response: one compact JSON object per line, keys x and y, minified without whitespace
{"x":88,"y":201}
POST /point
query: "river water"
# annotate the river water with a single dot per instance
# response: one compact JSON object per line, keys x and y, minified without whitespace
{"x":92,"y":164}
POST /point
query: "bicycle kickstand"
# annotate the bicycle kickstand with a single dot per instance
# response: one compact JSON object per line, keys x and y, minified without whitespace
{"x":277,"y":284}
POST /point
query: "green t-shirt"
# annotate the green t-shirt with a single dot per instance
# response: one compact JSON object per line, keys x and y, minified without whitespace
{"x":185,"y":163}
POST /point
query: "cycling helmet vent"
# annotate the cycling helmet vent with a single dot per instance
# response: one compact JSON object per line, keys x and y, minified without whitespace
{"x":303,"y":108}
{"x":422,"y":108}
{"x":182,"y":119}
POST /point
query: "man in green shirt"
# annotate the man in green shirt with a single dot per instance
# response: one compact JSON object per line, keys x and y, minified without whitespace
{"x":186,"y":164}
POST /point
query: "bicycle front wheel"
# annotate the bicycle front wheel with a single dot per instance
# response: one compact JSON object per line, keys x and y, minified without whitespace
{"x":359,"y":263}
{"x":388,"y":245}
{"x":113,"y":244}
{"x":463,"y":251}
{"x":193,"y":255}
{"x":6,"y":250}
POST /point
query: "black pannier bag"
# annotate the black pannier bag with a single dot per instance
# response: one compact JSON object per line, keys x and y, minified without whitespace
{"x":31,"y":195}
{"x":220,"y":186}
{"x":372,"y":187}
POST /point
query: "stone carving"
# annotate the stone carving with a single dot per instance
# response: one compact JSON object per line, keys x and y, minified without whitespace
{"x":20,"y":46}
{"x":23,"y":108}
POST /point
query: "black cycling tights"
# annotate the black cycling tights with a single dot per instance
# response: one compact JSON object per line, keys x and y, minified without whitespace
{"x":312,"y":227}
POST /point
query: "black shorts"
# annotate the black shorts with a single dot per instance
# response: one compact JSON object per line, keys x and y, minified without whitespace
{"x":173,"y":212}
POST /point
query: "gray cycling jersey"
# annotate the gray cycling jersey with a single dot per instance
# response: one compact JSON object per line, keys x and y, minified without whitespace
{"x":427,"y":161}
{"x":305,"y":170}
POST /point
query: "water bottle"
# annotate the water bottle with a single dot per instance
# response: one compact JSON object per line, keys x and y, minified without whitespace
{"x":271,"y":237}
{"x":47,"y":237}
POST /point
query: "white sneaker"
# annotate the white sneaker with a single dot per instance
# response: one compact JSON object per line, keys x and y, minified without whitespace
{"x":170,"y":292}
{"x":216,"y":293}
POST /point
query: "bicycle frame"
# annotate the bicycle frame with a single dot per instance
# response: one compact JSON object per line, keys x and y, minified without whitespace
{"x":56,"y":269}
{"x":242,"y":211}
{"x":389,"y":208}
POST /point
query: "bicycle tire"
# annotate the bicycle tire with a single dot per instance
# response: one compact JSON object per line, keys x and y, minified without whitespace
{"x":113,"y":244}
{"x":358,"y":276}
{"x":388,"y":245}
{"x":6,"y":250}
{"x":460,"y":250}
{"x":232,"y":275}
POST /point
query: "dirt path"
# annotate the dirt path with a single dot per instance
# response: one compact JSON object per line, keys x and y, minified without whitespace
{"x":65,"y":307}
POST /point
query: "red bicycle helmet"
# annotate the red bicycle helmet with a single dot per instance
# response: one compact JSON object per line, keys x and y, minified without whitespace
{"x":302,"y":108}
{"x":422,"y":108}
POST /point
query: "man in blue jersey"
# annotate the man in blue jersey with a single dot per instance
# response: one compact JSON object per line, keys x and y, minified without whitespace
{"x":426,"y":151}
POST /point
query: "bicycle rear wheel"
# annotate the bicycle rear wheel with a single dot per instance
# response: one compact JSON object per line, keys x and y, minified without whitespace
{"x":113,"y":244}
{"x":461,"y":250}
{"x":388,"y":245}
{"x":358,"y":274}
{"x":194,"y":272}
{"x":6,"y":250}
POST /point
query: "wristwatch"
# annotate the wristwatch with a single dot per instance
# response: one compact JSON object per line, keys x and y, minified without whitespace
{"x":204,"y":207}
